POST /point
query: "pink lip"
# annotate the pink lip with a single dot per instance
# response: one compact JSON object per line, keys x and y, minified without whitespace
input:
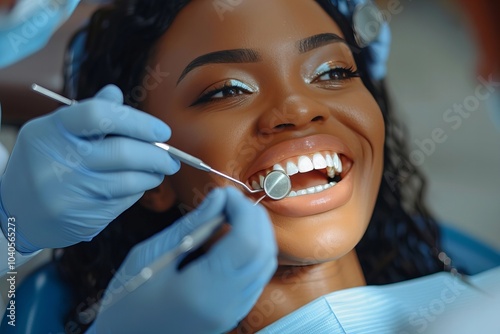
{"x":313,"y":203}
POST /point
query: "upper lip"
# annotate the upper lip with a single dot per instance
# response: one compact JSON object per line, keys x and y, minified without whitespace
{"x":294,"y":148}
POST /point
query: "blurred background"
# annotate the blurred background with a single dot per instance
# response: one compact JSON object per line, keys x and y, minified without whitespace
{"x":438,"y":54}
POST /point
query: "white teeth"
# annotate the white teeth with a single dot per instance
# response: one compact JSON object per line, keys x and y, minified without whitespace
{"x":337,"y":164}
{"x":261,"y":180}
{"x":291,"y":168}
{"x":329,"y":160}
{"x":311,"y":190}
{"x":278,"y":167}
{"x":305,"y":164}
{"x":319,"y":161}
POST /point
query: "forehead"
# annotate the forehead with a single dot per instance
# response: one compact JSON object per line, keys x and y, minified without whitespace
{"x":205,"y":26}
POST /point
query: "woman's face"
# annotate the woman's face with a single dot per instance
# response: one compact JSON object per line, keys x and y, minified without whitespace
{"x":272,"y":84}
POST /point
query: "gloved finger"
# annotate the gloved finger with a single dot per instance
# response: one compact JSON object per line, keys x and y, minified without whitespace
{"x":124,"y":153}
{"x":110,"y":93}
{"x":95,"y":118}
{"x":251,"y":230}
{"x":110,"y":185}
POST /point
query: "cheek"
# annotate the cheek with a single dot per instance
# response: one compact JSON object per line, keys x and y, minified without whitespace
{"x":372,"y":130}
{"x":220,"y":139}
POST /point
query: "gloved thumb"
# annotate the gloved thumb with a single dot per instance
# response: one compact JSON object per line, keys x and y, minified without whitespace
{"x":110,"y":93}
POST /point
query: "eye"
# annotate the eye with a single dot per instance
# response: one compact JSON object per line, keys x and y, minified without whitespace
{"x":333,"y":75}
{"x":224,"y":90}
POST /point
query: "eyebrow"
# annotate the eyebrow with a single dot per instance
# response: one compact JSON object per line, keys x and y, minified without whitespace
{"x":252,"y":56}
{"x":220,"y":57}
{"x":316,"y":41}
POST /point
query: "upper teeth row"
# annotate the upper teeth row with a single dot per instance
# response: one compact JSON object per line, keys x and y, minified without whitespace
{"x":304,"y":164}
{"x":318,"y":161}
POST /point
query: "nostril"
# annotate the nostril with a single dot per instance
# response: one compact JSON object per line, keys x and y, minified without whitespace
{"x":317,"y":118}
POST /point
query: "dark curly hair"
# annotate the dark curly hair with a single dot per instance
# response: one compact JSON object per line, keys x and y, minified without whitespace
{"x":401,"y":242}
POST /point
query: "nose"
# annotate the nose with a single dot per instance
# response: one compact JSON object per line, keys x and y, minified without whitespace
{"x":295,"y":112}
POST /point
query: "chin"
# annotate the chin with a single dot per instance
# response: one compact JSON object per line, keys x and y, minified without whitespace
{"x":320,"y":238}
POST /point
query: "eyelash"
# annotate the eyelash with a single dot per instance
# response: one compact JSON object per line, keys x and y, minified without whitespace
{"x":227,"y":87}
{"x":345,"y":73}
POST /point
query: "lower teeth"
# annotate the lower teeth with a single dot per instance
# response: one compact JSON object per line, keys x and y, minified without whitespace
{"x":311,"y":190}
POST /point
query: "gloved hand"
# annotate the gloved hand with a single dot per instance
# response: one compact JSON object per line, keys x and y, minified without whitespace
{"x":22,"y":31}
{"x":75,"y":170}
{"x":210,"y":294}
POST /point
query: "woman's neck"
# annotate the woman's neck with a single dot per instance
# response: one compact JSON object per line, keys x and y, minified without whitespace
{"x":295,"y":286}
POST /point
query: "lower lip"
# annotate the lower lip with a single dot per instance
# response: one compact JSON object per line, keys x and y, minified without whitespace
{"x":311,"y":204}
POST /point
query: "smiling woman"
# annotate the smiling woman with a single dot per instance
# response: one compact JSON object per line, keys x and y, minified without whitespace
{"x":275,"y":85}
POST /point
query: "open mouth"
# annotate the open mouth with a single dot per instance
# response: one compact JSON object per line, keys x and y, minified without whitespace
{"x":309,"y":174}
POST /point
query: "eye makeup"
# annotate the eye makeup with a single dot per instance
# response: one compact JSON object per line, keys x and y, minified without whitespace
{"x":226,"y":89}
{"x":332,"y":74}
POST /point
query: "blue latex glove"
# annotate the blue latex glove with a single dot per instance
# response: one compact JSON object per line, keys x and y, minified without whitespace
{"x":67,"y":178}
{"x":29,"y":26}
{"x":212,"y":293}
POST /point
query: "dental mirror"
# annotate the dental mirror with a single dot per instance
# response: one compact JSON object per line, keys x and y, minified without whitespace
{"x":277,"y":185}
{"x":367,"y":22}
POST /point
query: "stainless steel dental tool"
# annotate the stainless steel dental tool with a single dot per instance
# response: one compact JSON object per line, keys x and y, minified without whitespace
{"x":276,"y":185}
{"x":367,"y":21}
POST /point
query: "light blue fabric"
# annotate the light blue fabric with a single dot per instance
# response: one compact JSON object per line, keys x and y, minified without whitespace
{"x":377,"y":52}
{"x":30,"y":27}
{"x":415,"y":306}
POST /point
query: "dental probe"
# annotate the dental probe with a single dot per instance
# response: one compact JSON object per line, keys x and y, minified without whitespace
{"x":276,"y":184}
